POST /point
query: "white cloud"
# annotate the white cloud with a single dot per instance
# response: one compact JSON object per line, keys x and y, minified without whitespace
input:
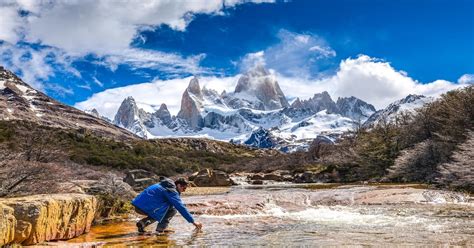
{"x":295,"y":55}
{"x":153,"y":93}
{"x":166,"y":62}
{"x":369,"y":79}
{"x":105,"y":29}
{"x":101,"y":27}
{"x":35,"y":65}
{"x":252,"y":60}
{"x":466,"y":79}
{"x":11,"y":24}
{"x":98,"y":82}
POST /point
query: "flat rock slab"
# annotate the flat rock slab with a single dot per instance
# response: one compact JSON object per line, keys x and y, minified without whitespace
{"x":34,"y":219}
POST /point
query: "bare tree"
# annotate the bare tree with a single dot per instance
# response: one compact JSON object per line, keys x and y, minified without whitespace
{"x":29,"y":164}
{"x":459,"y":172}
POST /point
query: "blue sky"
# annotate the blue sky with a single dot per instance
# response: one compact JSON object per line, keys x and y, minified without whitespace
{"x":73,"y":51}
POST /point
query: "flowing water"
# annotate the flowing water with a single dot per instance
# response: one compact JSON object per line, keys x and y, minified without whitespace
{"x":308,"y":215}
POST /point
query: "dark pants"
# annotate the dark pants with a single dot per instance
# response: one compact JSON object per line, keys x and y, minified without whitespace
{"x":161,"y":225}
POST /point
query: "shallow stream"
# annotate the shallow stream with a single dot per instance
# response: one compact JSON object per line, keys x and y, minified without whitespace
{"x":308,"y":215}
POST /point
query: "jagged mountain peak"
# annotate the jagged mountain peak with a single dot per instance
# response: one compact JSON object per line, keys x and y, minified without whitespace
{"x":322,"y":95}
{"x":318,"y":102}
{"x":93,"y":112}
{"x":297,"y":104}
{"x":191,"y":103}
{"x":410,"y":98}
{"x":127,"y":113}
{"x":194,"y":87}
{"x":163,"y":107}
{"x":258,"y":89}
{"x":354,"y":108}
{"x":253,"y":78}
{"x":258,"y":71}
{"x":407,"y":104}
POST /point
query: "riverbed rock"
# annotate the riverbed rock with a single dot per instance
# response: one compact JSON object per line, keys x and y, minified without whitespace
{"x":7,"y":224}
{"x":33,"y":219}
{"x":278,"y":175}
{"x":140,"y":179}
{"x":257,"y":182}
{"x":255,"y":177}
{"x":212,"y":178}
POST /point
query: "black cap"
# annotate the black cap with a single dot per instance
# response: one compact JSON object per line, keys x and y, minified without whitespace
{"x":181,"y":181}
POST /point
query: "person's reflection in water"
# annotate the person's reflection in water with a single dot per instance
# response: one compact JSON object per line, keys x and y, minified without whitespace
{"x":195,"y":235}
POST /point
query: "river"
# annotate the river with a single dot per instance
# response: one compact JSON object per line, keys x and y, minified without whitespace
{"x":308,"y":215}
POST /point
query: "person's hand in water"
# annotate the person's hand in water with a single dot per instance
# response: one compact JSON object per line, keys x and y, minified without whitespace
{"x":198,"y":225}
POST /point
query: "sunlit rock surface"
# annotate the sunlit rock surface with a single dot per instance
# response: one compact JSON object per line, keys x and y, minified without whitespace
{"x":34,"y":219}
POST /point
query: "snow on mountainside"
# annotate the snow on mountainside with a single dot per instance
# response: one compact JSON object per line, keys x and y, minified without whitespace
{"x":20,"y":102}
{"x":256,"y":113}
{"x":406,"y":105}
{"x":354,"y":108}
{"x":257,"y":89}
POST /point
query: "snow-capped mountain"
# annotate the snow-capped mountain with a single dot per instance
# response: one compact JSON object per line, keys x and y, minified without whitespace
{"x":257,"y":89}
{"x":406,"y":105}
{"x":354,"y":108}
{"x":317,"y":103}
{"x":257,"y":113}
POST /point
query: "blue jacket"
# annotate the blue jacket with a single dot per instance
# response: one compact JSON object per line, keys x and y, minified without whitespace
{"x":158,"y":198}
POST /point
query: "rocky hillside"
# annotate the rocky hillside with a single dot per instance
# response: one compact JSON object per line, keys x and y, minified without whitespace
{"x":18,"y":101}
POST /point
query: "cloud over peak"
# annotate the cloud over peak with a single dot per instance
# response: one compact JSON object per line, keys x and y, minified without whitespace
{"x":296,"y":54}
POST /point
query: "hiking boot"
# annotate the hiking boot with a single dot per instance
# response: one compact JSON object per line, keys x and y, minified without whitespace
{"x":140,"y":227}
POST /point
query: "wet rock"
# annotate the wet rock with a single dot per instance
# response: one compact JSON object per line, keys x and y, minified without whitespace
{"x":257,"y":182}
{"x":7,"y":224}
{"x":211,"y":178}
{"x":311,"y":177}
{"x":38,"y":218}
{"x":140,"y":179}
{"x":255,"y":177}
{"x":278,"y":175}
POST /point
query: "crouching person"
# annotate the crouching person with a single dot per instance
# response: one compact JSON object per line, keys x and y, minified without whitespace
{"x":160,"y":202}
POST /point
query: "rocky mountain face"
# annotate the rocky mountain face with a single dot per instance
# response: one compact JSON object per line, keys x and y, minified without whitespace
{"x":354,"y":108}
{"x":392,"y":111}
{"x":191,"y":103}
{"x":257,"y":89}
{"x":18,"y":101}
{"x":317,"y":103}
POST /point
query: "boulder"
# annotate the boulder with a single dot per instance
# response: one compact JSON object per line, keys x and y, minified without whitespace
{"x":306,"y":177}
{"x":278,"y":175}
{"x":33,"y":219}
{"x":7,"y":224}
{"x":255,"y":177}
{"x":140,"y":179}
{"x":211,"y":178}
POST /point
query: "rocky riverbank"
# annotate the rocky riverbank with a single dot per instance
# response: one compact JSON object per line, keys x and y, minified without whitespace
{"x":33,"y":219}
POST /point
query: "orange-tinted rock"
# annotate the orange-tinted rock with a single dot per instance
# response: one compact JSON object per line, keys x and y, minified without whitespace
{"x":41,"y":218}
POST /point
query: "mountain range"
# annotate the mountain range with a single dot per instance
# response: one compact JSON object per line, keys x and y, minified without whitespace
{"x":257,"y":113}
